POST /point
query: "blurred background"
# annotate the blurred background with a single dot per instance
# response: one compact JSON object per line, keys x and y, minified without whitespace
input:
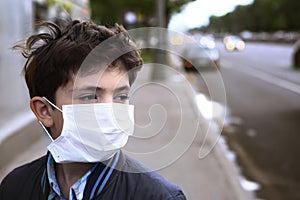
{"x":253,"y":44}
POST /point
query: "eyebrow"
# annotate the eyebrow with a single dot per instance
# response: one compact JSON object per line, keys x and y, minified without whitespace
{"x":122,"y":88}
{"x":93,"y":88}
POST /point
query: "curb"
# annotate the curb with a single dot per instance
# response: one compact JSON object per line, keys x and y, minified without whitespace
{"x":16,"y":137}
{"x":15,"y":125}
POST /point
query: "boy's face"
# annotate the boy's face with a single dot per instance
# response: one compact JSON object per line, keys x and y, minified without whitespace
{"x":110,"y":86}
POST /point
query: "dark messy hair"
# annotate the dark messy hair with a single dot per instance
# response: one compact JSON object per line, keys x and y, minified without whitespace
{"x":55,"y":55}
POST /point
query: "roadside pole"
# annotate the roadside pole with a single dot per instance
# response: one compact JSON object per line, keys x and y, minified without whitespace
{"x":158,"y":72}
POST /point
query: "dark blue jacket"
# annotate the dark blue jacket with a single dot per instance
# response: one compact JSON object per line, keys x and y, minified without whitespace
{"x":130,"y":181}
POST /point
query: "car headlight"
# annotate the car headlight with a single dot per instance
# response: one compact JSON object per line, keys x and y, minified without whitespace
{"x":230,"y":46}
{"x":240,"y":45}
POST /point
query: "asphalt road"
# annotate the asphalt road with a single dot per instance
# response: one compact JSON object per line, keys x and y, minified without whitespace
{"x":263,"y":100}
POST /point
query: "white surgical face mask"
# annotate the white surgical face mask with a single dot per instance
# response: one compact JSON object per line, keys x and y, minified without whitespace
{"x":92,"y":132}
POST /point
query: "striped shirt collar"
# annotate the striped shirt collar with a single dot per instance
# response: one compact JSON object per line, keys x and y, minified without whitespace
{"x":76,"y":190}
{"x":100,"y":172}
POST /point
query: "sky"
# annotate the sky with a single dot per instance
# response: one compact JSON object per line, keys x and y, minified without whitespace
{"x":197,"y":13}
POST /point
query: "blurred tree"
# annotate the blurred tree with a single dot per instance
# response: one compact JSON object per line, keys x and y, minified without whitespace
{"x":107,"y":11}
{"x":262,"y":15}
{"x":291,"y":10}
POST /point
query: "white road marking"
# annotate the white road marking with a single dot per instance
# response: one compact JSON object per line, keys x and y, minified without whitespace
{"x":267,"y":78}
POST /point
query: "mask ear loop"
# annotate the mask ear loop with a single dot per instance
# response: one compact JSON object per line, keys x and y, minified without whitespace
{"x":52,"y":104}
{"x":42,"y":125}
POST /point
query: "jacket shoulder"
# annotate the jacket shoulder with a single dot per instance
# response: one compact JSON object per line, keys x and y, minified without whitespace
{"x":155,"y":186}
{"x":21,"y":178}
{"x":146,"y":183}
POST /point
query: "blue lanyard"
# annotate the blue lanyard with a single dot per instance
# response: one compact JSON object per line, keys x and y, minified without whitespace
{"x":93,"y":192}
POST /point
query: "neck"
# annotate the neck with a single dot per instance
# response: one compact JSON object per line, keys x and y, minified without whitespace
{"x":68,"y":173}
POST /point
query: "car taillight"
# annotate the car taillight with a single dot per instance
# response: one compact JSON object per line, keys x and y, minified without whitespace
{"x":188,"y":64}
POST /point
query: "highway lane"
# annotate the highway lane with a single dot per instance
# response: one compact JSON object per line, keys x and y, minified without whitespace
{"x":263,"y":97}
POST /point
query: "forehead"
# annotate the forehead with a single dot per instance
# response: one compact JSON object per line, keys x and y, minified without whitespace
{"x":108,"y":78}
{"x":106,"y":82}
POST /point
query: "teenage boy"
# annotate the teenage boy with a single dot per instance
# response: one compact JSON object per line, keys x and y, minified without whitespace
{"x":79,"y":77}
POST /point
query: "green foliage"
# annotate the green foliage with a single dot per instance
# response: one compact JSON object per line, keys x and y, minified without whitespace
{"x":111,"y":11}
{"x":262,"y":15}
{"x":148,"y":55}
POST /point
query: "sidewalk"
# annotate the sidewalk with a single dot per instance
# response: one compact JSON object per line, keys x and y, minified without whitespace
{"x":171,"y":137}
{"x":201,"y":168}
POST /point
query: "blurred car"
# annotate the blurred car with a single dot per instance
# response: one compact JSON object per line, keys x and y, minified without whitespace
{"x":200,"y":57}
{"x":207,"y":41}
{"x":234,"y":43}
{"x":296,"y":55}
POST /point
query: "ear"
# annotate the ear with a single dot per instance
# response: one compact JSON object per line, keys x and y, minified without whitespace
{"x":42,"y":110}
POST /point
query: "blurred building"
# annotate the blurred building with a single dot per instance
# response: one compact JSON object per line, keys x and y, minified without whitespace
{"x":16,"y":22}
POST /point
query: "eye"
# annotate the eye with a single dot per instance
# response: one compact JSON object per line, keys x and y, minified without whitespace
{"x":121,"y":98}
{"x":88,"y":98}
